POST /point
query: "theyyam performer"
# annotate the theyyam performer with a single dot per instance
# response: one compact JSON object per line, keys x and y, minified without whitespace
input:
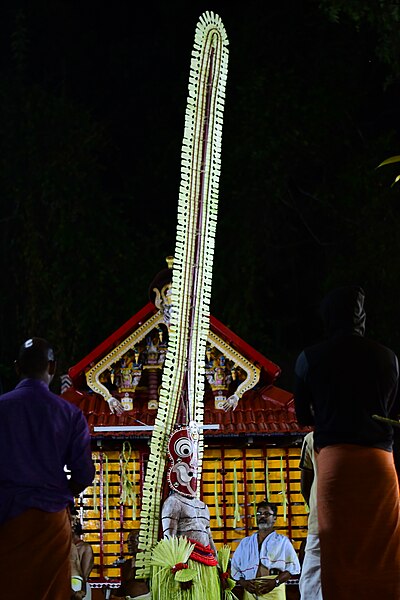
{"x":184,"y":563}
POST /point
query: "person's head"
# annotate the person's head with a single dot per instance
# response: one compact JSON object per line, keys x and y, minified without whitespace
{"x":77,"y":528}
{"x":133,"y":541}
{"x":342,"y":310}
{"x":266,"y":514}
{"x":36,"y":360}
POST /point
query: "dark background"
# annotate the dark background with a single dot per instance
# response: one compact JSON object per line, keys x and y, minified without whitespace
{"x":92,"y":103}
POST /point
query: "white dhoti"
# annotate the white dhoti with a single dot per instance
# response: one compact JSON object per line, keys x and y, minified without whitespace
{"x":310,"y":579}
{"x":141,"y":597}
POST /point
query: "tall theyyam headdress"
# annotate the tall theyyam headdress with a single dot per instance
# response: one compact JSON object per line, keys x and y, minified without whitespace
{"x":182,"y":390}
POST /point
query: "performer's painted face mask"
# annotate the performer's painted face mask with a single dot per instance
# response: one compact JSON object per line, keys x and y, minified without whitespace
{"x":183,"y":462}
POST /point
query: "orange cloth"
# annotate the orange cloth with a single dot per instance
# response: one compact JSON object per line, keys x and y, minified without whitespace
{"x":359,"y":523}
{"x":35,"y":556}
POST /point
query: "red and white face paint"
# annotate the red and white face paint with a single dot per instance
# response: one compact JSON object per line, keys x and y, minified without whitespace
{"x":183,"y":459}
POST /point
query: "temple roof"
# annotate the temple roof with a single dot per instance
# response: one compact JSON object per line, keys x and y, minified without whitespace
{"x":263,"y":410}
{"x":269,"y":369}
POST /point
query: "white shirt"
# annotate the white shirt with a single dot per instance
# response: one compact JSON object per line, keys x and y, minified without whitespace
{"x":276,"y":552}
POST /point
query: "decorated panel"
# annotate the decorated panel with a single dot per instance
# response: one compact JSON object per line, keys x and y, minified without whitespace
{"x":234,"y":482}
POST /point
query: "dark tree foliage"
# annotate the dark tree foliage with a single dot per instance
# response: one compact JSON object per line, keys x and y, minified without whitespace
{"x":312,"y":120}
{"x":92,"y":103}
{"x":381,"y":18}
{"x":68,"y":259}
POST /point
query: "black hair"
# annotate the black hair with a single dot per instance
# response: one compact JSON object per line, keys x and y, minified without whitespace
{"x":265,"y":503}
{"x":77,"y":528}
{"x":34,"y":356}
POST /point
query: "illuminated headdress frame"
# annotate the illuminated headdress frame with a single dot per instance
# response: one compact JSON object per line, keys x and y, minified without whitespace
{"x":182,"y":389}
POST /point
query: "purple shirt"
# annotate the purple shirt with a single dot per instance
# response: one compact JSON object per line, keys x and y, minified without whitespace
{"x":40,"y":433}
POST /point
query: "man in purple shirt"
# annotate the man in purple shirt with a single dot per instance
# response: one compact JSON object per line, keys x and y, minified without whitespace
{"x":40,"y":435}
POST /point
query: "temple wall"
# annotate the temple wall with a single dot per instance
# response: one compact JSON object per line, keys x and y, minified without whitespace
{"x":234,"y":481}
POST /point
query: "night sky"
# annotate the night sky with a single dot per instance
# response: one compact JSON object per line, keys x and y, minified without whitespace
{"x":311,"y":109}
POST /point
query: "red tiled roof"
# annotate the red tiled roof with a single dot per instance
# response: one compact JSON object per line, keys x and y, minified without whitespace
{"x":264,"y":411}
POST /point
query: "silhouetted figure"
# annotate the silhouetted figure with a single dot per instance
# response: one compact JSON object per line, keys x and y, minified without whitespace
{"x":40,"y":434}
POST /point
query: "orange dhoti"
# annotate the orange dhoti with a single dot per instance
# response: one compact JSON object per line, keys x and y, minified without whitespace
{"x":35,"y":556}
{"x":359,"y":523}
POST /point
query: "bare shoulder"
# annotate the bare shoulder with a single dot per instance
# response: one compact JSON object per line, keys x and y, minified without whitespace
{"x":172,"y":503}
{"x":86,"y":549}
{"x":86,"y":555}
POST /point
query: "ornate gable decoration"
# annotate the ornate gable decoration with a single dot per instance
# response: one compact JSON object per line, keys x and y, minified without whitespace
{"x":139,"y":359}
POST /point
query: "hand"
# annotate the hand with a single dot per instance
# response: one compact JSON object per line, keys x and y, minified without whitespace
{"x":78,"y":595}
{"x":231,"y":403}
{"x":266,"y":585}
{"x":115,"y":406}
{"x":249,"y":585}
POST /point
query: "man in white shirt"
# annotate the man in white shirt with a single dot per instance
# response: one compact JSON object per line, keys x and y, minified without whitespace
{"x":264,"y":560}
